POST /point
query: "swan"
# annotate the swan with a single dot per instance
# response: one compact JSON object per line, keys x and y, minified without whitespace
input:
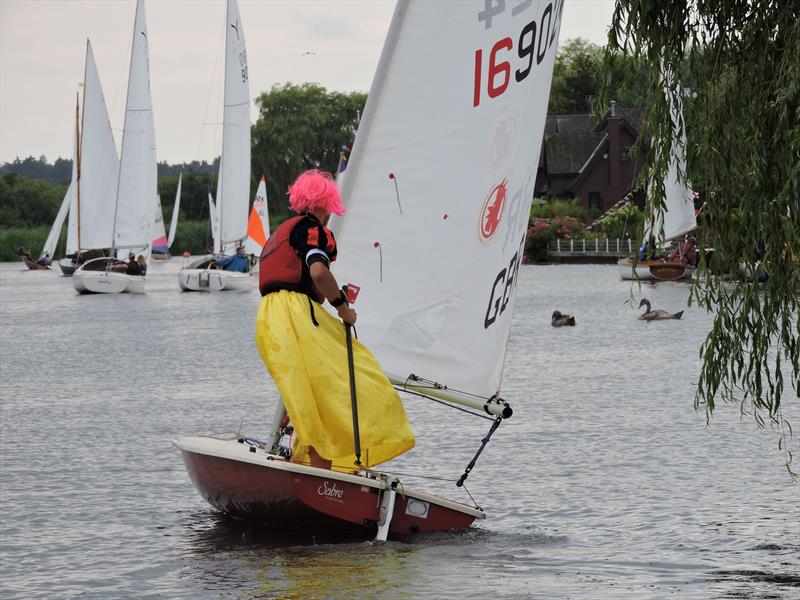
{"x":656,"y":315}
{"x":559,"y":320}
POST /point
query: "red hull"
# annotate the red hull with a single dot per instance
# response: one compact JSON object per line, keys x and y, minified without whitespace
{"x":258,"y":487}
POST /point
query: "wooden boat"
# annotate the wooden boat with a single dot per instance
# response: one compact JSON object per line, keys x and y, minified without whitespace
{"x":434,"y":313}
{"x":34,"y":265}
{"x":640,"y":271}
{"x":670,"y":271}
{"x":678,"y":217}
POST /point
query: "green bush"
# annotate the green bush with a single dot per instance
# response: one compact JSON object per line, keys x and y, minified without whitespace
{"x":193,"y":237}
{"x":32,"y":238}
{"x":623,"y":222}
{"x":560,"y":208}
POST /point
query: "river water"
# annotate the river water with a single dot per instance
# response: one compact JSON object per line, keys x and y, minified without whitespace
{"x":604,"y":484}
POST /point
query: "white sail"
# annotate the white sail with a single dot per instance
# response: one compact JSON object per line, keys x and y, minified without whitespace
{"x":439,"y":186}
{"x":175,"y":209}
{"x":55,"y":231}
{"x":159,"y":235}
{"x":99,"y":167}
{"x":258,"y":224}
{"x":214,"y":217}
{"x":138,"y":182}
{"x":678,"y":217}
{"x":69,"y":201}
{"x":233,"y":189}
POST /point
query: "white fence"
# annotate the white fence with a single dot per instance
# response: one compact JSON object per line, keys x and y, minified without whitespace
{"x":596,"y":247}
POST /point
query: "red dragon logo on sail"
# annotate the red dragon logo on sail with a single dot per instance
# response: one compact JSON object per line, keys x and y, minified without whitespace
{"x":493,"y":209}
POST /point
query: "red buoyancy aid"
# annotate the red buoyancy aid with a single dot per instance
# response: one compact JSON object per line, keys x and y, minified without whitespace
{"x":280,"y":268}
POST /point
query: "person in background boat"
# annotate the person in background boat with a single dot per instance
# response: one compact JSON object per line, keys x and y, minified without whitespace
{"x":647,"y":251}
{"x":237,"y":263}
{"x":21,"y":251}
{"x":45,"y":260}
{"x":142,"y":264}
{"x":685,"y":253}
{"x":304,"y":348}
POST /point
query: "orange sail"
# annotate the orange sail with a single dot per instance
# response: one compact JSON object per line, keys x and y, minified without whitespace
{"x":258,"y":224}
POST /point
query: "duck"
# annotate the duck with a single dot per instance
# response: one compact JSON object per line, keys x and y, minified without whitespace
{"x":656,"y":315}
{"x":559,"y":320}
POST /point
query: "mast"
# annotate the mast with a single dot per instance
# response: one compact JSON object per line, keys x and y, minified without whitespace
{"x":77,"y":133}
{"x":124,"y":129}
{"x":78,"y":165}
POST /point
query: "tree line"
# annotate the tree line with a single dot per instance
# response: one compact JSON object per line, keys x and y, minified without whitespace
{"x":298,"y":127}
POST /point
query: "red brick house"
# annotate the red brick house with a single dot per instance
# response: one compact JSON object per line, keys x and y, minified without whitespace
{"x":590,"y":161}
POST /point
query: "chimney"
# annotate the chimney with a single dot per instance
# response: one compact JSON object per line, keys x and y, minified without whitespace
{"x":613,"y":108}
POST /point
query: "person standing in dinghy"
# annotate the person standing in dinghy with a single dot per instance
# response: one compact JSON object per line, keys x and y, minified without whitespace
{"x":304,"y":348}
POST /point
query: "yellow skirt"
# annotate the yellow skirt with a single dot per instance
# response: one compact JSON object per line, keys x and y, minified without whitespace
{"x":309,"y":366}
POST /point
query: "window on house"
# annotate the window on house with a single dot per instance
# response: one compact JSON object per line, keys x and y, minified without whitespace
{"x":625,"y":155}
{"x":595,"y":200}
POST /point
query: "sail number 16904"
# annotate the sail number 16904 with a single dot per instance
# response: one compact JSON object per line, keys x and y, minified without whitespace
{"x":533,"y":42}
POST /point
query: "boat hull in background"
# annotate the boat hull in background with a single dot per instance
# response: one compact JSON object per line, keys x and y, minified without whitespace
{"x":94,"y":278}
{"x":33,"y":265}
{"x":628,"y":272}
{"x":242,"y":479}
{"x":214,"y":280}
{"x":667,"y":271}
{"x":67,"y":266}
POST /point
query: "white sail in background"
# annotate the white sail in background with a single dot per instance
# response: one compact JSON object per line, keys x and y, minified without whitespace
{"x":258,"y":224}
{"x":138,"y":181}
{"x":69,"y":201}
{"x":173,"y":225}
{"x":439,"y":186}
{"x":159,"y":233}
{"x":99,"y":167}
{"x":55,"y":231}
{"x":214,"y":217}
{"x":233,"y":189}
{"x":678,"y":217}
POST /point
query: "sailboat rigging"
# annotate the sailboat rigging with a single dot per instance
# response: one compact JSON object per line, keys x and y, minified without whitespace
{"x":438,"y":307}
{"x":229,"y":213}
{"x":136,"y":184}
{"x":94,"y":176}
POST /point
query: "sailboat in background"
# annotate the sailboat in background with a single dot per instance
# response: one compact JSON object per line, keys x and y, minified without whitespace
{"x":677,"y":220}
{"x":229,"y":213}
{"x":49,"y":248}
{"x":258,"y":224}
{"x":136,"y":190}
{"x":433,"y":266}
{"x":161,"y":242}
{"x":95,"y":169}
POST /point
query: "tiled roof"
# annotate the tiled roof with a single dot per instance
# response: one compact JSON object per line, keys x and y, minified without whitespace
{"x":565,"y":154}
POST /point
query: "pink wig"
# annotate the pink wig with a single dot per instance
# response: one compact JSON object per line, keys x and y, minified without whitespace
{"x":313,"y":190}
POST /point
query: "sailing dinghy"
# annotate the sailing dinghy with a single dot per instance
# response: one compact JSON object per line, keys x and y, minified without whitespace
{"x":229,"y":215}
{"x":95,"y":168}
{"x":438,"y":193}
{"x":677,"y":219}
{"x":161,"y":242}
{"x":258,"y":224}
{"x":136,"y":184}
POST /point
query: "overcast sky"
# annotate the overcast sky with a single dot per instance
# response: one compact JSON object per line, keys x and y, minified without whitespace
{"x":335,"y":43}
